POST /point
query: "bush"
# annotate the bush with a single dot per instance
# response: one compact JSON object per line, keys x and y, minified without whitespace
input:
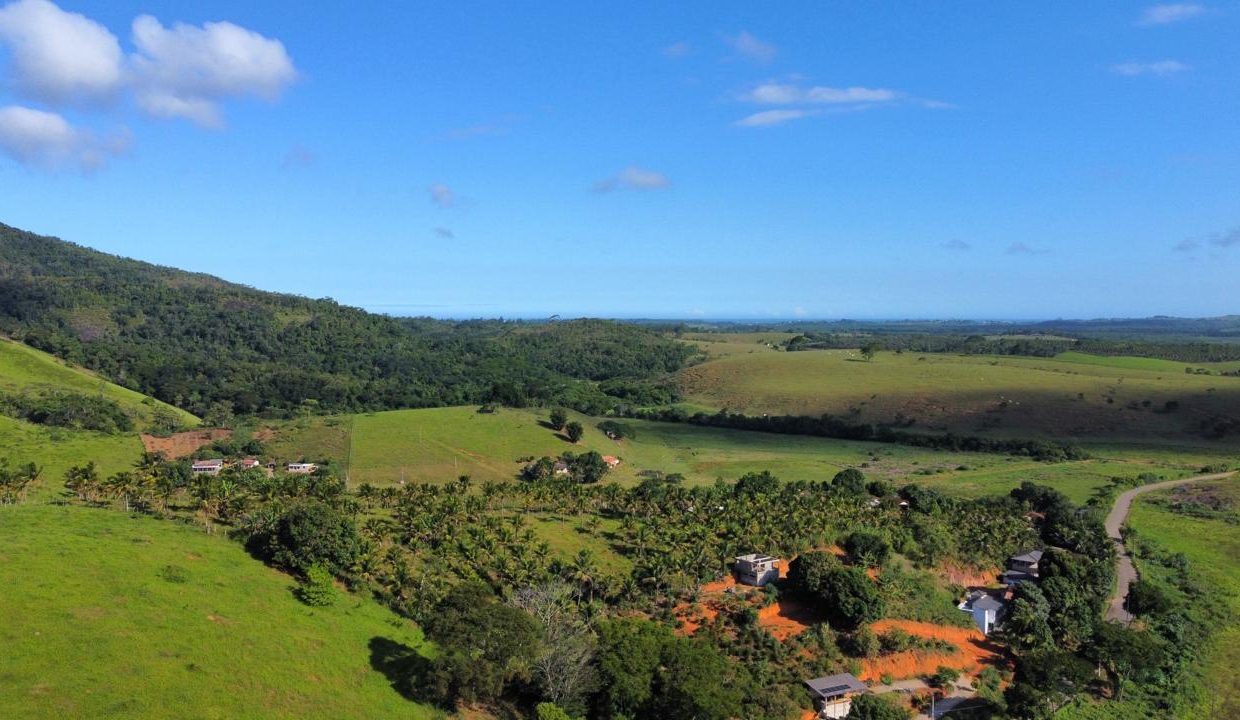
{"x":867,"y":549}
{"x":309,"y":534}
{"x":850,"y":481}
{"x":944,"y":677}
{"x":174,"y":574}
{"x":317,"y":589}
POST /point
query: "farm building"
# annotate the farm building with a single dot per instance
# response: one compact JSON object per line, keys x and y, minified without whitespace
{"x":207,"y":467}
{"x":1022,"y":567}
{"x":756,"y":569}
{"x":560,"y":468}
{"x":611,"y":460}
{"x":833,"y":694}
{"x":302,"y":468}
{"x":250,"y":464}
{"x":985,"y":608}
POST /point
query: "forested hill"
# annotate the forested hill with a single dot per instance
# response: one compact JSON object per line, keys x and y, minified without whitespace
{"x":200,"y":343}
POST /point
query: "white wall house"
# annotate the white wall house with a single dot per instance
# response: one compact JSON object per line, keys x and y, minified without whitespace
{"x":986,"y":609}
{"x":302,"y":468}
{"x":207,"y":467}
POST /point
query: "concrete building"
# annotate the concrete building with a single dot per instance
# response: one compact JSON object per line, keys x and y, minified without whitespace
{"x":986,"y":609}
{"x":756,"y":569}
{"x":301,"y":468}
{"x":207,"y":467}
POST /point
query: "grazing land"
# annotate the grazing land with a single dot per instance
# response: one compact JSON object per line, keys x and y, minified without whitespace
{"x":1072,"y":396}
{"x":438,"y":445}
{"x":139,"y":618}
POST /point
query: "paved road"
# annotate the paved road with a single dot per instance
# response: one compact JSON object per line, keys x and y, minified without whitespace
{"x":1125,"y":572}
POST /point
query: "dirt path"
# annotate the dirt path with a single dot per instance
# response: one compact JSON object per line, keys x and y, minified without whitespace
{"x":1125,"y":571}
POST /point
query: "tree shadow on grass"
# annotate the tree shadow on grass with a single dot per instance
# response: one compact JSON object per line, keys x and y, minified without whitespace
{"x":403,"y":667}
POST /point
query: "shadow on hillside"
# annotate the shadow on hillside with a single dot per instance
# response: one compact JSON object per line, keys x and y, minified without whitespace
{"x":401,"y":665}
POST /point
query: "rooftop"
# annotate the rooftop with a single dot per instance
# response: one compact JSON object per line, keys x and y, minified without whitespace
{"x":756,"y":558}
{"x":1031,"y":556}
{"x":835,"y":685}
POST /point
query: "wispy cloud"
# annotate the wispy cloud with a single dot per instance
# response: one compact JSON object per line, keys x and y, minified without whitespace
{"x":773,"y":93}
{"x":1168,"y":13}
{"x":443,"y":232}
{"x":1020,"y":248}
{"x":956,"y":244}
{"x":1228,"y":239}
{"x":677,"y":49}
{"x":751,"y":48}
{"x":633,"y":178}
{"x":1160,"y":68}
{"x":442,"y":195}
{"x":36,"y":138}
{"x":769,"y":118}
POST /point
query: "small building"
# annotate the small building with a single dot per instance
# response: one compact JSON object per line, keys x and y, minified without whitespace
{"x":833,"y":694}
{"x":756,"y":569}
{"x":560,"y":468}
{"x":250,"y":464}
{"x":986,"y":609}
{"x":611,"y":460}
{"x":207,"y":467}
{"x":1026,"y":562}
{"x":301,"y":468}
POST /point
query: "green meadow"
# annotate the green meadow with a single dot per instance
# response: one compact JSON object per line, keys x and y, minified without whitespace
{"x":438,"y":445}
{"x":113,"y":616}
{"x":1073,"y":396}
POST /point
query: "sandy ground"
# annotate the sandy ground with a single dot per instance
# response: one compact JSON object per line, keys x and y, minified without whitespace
{"x":183,"y":444}
{"x":975,"y":651}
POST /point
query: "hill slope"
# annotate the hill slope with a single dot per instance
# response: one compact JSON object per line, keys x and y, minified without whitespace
{"x":102,"y":631}
{"x":194,"y":340}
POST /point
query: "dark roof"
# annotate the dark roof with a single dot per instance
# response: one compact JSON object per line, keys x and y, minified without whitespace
{"x":836,"y":685}
{"x":986,"y":602}
{"x":1032,"y":556}
{"x":1011,"y":577}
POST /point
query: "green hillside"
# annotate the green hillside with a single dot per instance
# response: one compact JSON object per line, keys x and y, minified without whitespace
{"x":25,"y":369}
{"x":95,"y":628}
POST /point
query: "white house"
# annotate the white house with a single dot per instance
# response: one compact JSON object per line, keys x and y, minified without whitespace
{"x":833,"y":694}
{"x":207,"y":467}
{"x":301,"y":468}
{"x":756,"y":569}
{"x":986,"y":609}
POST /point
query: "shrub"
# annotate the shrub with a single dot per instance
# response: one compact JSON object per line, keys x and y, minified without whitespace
{"x":317,"y":589}
{"x":309,"y":534}
{"x":174,"y":574}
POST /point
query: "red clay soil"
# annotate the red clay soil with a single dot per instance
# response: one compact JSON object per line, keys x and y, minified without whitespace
{"x":970,"y":576}
{"x":183,"y":444}
{"x":788,"y":618}
{"x":975,"y":651}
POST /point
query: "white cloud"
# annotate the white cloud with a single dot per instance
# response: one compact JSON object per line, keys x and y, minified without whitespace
{"x":42,"y":139}
{"x":633,"y":178}
{"x":1170,"y":13}
{"x":772,"y":93}
{"x":58,"y":57}
{"x":186,"y":70}
{"x":767,"y":118}
{"x":678,"y":49}
{"x":442,"y":195}
{"x":1160,"y":68}
{"x":750,"y":47}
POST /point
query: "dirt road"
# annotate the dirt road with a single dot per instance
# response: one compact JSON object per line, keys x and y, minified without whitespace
{"x":1125,"y":572}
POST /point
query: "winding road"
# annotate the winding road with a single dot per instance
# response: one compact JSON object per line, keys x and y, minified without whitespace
{"x":1125,"y":572}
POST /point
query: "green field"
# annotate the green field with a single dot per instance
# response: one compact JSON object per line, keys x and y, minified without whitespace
{"x":92,"y":628}
{"x":1213,"y":549}
{"x":1069,"y":397}
{"x":437,"y":445}
{"x":23,"y":368}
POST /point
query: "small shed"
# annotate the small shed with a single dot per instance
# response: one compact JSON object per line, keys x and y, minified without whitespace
{"x":833,"y":694}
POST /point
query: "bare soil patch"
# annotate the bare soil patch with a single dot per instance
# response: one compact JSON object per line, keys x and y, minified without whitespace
{"x":183,"y":444}
{"x":974,"y":651}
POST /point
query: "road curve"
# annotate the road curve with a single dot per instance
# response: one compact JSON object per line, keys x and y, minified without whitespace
{"x":1125,"y":572}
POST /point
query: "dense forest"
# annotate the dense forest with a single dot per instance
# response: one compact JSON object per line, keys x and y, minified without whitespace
{"x":200,"y":343}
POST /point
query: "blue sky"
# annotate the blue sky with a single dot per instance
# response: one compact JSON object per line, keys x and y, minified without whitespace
{"x":693,"y":159}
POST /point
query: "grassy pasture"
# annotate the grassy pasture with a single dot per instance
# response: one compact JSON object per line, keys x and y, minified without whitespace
{"x":56,"y":449}
{"x":1103,"y":400}
{"x":24,"y":368}
{"x":95,"y":630}
{"x":439,"y":444}
{"x":1213,"y":549}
